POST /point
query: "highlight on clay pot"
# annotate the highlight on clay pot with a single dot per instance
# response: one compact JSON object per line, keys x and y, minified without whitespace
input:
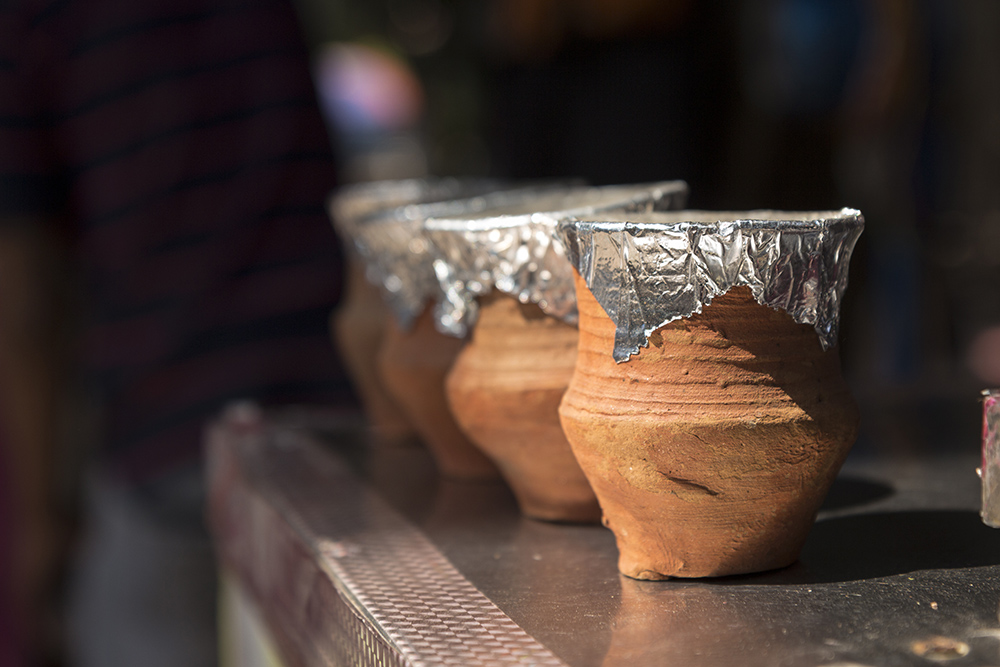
{"x":504,"y":390}
{"x":416,"y":352}
{"x":358,"y":326}
{"x":413,"y":364}
{"x":506,"y":277}
{"x":707,"y":407}
{"x":414,"y":357}
{"x":359,"y":322}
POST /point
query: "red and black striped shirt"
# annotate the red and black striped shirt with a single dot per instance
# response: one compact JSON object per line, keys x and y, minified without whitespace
{"x":183,"y":141}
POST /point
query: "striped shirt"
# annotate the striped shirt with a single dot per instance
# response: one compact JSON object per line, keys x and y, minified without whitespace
{"x":182,"y":140}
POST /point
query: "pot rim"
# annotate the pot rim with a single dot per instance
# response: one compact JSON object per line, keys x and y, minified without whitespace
{"x":717,"y":221}
{"x":567,"y":202}
{"x":649,"y":269}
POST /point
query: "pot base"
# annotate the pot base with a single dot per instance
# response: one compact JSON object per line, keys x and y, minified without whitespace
{"x":357,"y":327}
{"x":413,"y":365}
{"x":504,"y":391}
{"x":713,"y":448}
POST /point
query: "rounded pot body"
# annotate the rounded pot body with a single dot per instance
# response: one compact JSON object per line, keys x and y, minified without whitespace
{"x":504,"y":390}
{"x":413,"y":365}
{"x":358,"y":326}
{"x":712,"y":449}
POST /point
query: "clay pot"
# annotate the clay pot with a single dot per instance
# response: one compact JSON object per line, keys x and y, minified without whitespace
{"x":712,"y":449}
{"x":504,"y":391}
{"x":358,"y":325}
{"x":413,"y":365}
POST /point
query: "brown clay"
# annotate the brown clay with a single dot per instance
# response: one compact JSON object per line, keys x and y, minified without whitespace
{"x":413,"y":365}
{"x":712,"y":449}
{"x":358,"y":325}
{"x":504,"y":391}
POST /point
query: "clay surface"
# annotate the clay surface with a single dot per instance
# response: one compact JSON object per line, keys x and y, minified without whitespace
{"x":413,"y":365}
{"x":712,"y":449}
{"x":504,"y":391}
{"x":358,"y":325}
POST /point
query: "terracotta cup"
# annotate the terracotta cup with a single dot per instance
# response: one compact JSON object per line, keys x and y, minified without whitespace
{"x":360,"y":320}
{"x":506,"y":385}
{"x":707,"y":406}
{"x":358,"y":326}
{"x":712,"y":449}
{"x":504,"y":390}
{"x":413,"y":365}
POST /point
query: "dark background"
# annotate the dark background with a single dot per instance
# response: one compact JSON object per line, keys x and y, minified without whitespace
{"x":889,"y":106}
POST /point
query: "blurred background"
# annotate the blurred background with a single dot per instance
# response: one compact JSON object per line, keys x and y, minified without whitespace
{"x":889,"y":106}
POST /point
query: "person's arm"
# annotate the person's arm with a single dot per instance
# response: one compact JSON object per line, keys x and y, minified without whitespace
{"x":31,"y":363}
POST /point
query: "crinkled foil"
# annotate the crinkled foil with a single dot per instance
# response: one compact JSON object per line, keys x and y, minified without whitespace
{"x":515,"y":249}
{"x":398,"y":255}
{"x":353,"y":207}
{"x":651,"y":270}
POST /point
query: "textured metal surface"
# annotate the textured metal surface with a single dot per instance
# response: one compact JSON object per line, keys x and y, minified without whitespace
{"x":649,"y":270}
{"x":313,"y":621}
{"x":293,"y":522}
{"x":516,"y":250}
{"x":898,"y":570}
{"x":897,"y":558}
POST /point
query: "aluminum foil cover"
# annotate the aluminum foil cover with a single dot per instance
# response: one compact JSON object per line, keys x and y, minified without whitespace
{"x":515,"y":249}
{"x":649,"y":271}
{"x":990,"y":470}
{"x":397,"y":253}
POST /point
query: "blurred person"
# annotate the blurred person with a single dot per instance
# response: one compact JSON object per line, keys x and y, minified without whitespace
{"x":32,"y":361}
{"x":177,"y":147}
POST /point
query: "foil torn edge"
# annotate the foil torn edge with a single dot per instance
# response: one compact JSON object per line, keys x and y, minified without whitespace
{"x":522,"y":255}
{"x":648,"y":275}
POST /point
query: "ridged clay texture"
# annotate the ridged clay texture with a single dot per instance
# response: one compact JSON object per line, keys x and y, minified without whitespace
{"x":712,"y":449}
{"x":413,"y":365}
{"x":504,"y":391}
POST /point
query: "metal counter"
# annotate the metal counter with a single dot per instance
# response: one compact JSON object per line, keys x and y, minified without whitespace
{"x":361,"y":555}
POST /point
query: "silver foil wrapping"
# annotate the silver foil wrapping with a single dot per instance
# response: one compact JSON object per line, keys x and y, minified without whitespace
{"x":398,"y":256}
{"x":647,"y":271}
{"x":383,"y":204}
{"x":515,"y":249}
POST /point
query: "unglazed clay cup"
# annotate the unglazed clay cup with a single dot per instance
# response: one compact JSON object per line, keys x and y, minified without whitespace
{"x":415,"y":354}
{"x":359,"y":322}
{"x":713,"y":441}
{"x":358,"y":326}
{"x":504,"y":390}
{"x":506,"y":277}
{"x":413,"y":364}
